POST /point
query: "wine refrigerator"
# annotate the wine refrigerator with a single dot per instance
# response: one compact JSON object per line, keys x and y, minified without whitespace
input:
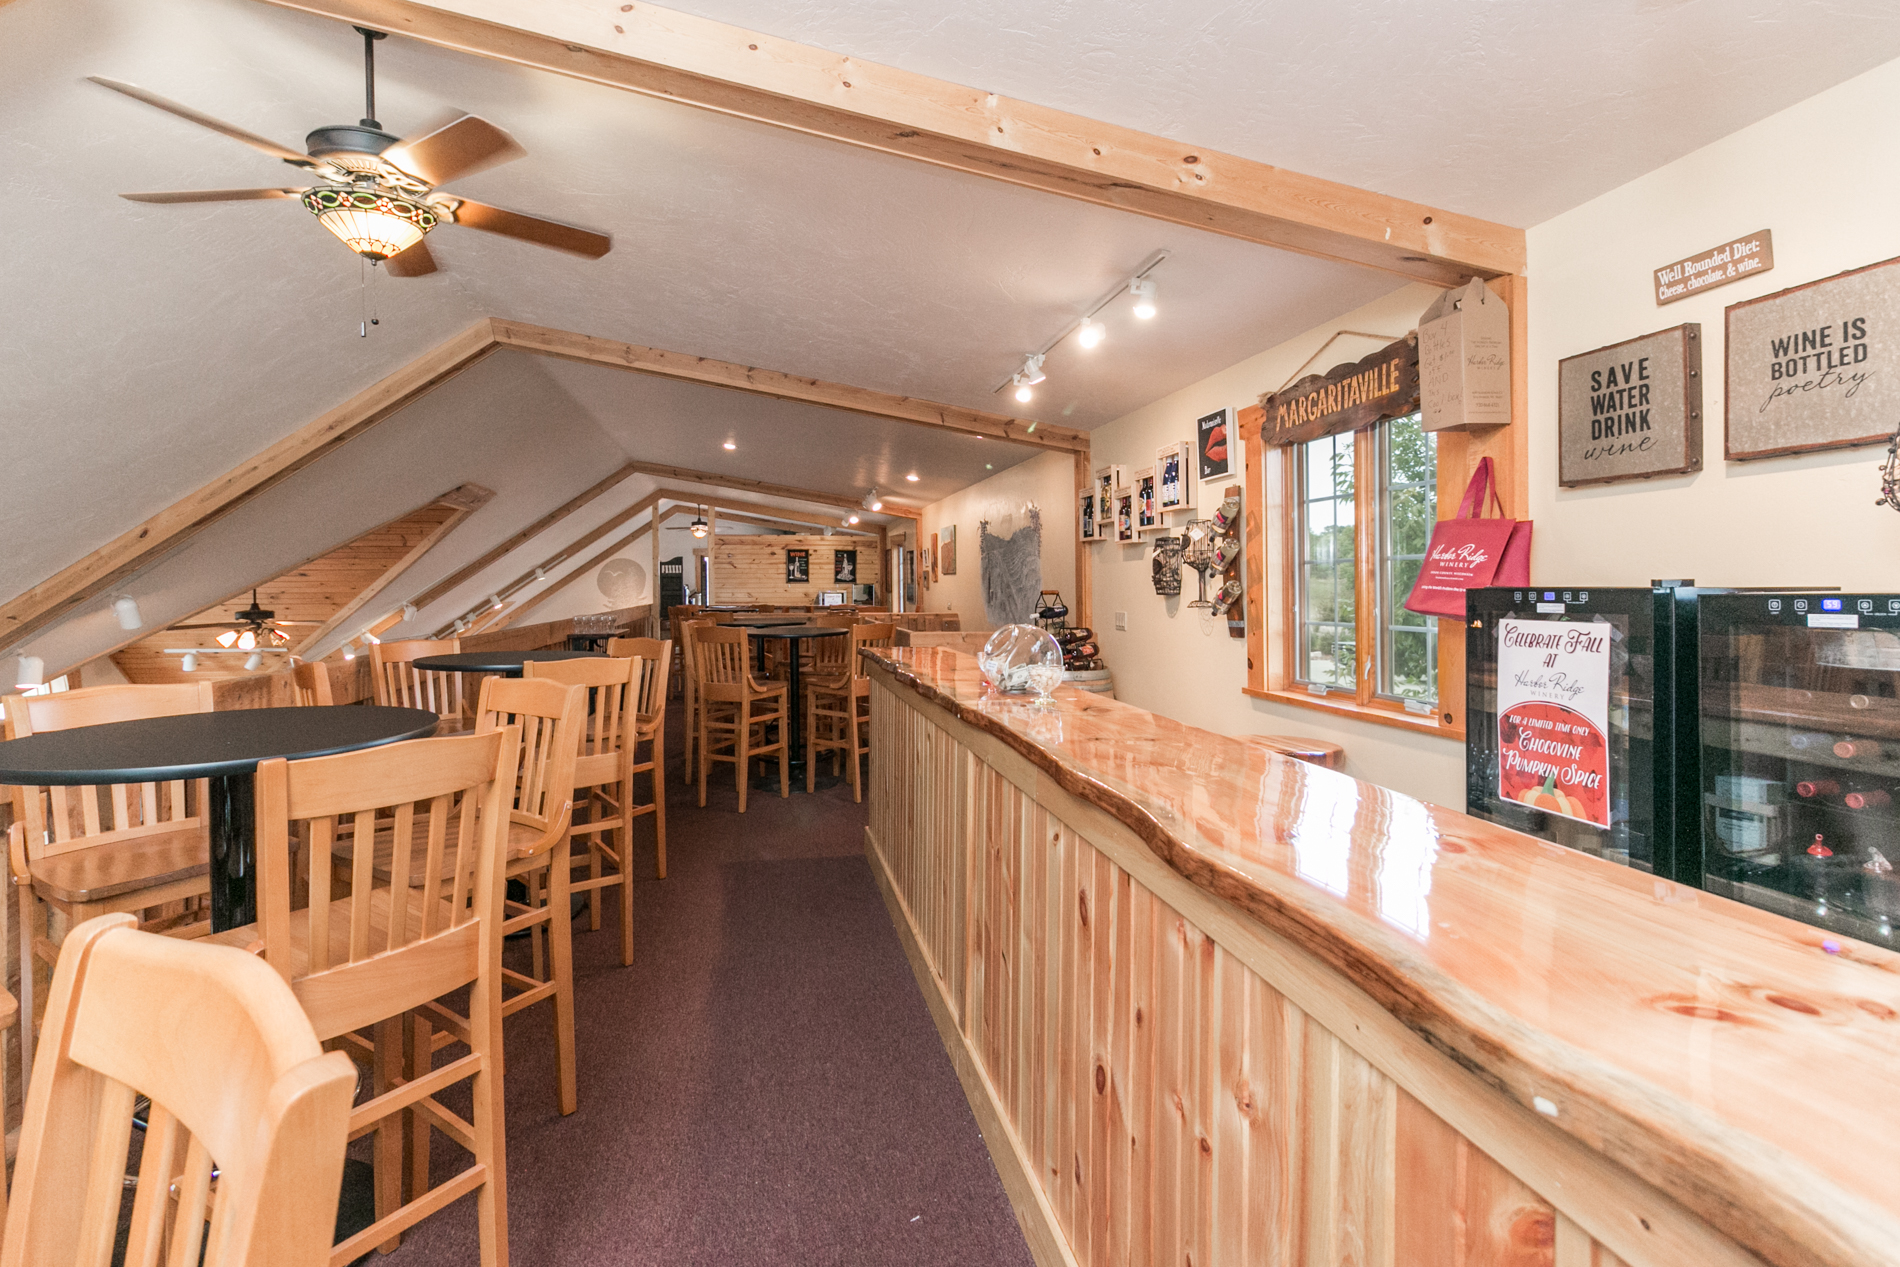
{"x":1579,"y":708}
{"x":1800,"y":763}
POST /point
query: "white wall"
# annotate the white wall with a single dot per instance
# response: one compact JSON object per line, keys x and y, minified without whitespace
{"x":1824,"y":177}
{"x":1047,"y":480}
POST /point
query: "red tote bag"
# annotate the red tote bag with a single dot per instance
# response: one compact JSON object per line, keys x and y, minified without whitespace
{"x":1470,"y":552}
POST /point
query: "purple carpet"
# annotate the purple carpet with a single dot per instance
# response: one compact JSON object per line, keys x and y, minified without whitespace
{"x":764,"y":1084}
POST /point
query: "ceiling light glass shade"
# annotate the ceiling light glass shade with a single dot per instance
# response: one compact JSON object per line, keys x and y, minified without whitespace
{"x":126,"y":608}
{"x":276,"y":637}
{"x":246,"y":640}
{"x":374,"y":222}
{"x":698,"y":526}
{"x":1090,"y":333}
{"x":228,"y":638}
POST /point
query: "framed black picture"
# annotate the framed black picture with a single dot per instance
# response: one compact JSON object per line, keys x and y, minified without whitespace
{"x":797,"y":567}
{"x":844,"y":567}
{"x":1210,"y":444}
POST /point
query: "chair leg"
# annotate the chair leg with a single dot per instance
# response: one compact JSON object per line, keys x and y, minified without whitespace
{"x":593,"y":870}
{"x":812,"y":745}
{"x":420,"y":1058}
{"x":658,"y":756}
{"x":852,"y":749}
{"x":785,"y":751}
{"x":626,"y":875}
{"x":536,"y":935}
{"x":491,"y":1148}
{"x":561,"y":955}
{"x":702,"y":760}
{"x":28,"y":993}
{"x":385,"y":1075}
{"x":742,"y":748}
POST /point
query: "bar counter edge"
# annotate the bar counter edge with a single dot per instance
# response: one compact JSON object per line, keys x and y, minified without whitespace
{"x":1182,"y":1048}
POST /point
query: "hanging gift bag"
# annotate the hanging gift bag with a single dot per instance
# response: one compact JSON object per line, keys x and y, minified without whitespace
{"x":1470,"y":552}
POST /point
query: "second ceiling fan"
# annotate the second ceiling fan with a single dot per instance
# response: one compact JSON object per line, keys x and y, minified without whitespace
{"x":377,"y":192}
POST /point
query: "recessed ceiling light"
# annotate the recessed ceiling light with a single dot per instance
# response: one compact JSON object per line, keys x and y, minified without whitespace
{"x":728,"y":446}
{"x":988,"y":467}
{"x":912,"y":477}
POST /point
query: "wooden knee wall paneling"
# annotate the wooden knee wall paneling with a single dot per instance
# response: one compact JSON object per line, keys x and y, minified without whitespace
{"x":1172,"y":1083}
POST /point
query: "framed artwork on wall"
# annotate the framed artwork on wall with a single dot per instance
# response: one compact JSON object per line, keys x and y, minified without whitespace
{"x":1147,"y":517}
{"x":1631,"y":410}
{"x":1210,"y":443}
{"x":947,"y":551}
{"x":1125,"y":515}
{"x":1174,"y":480}
{"x":1812,"y":367}
{"x":1085,"y":516}
{"x":844,"y":567}
{"x":797,"y":567}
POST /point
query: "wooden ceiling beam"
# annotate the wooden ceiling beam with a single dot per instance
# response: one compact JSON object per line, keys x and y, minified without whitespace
{"x":685,"y":368}
{"x":740,"y":483}
{"x":730,"y":505}
{"x":663,"y":53}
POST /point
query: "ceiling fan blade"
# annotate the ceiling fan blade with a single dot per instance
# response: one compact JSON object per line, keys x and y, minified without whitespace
{"x":513,"y":224}
{"x":414,"y":262}
{"x":468,"y":145}
{"x":262,"y":144}
{"x":213,"y":195}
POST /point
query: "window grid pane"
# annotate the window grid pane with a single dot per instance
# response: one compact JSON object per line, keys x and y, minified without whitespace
{"x":1408,"y":507}
{"x":1328,"y":642}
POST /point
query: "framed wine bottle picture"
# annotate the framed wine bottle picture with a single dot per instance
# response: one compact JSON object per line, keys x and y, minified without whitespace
{"x":1147,"y":516}
{"x":1174,"y":479}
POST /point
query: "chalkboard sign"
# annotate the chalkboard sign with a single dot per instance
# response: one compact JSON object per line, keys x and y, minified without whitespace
{"x":1816,"y":366}
{"x":1631,"y":410}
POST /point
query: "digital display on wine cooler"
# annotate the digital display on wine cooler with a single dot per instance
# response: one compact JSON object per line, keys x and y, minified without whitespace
{"x":1830,"y":604}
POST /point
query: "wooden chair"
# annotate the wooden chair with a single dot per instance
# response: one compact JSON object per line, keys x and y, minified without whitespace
{"x":87,"y":851}
{"x":378,"y":948}
{"x":728,"y":696}
{"x":838,"y":707}
{"x":310,"y":684}
{"x":236,"y":1081}
{"x":654,"y":656}
{"x":399,"y":684}
{"x":691,"y":700}
{"x":603,"y":778}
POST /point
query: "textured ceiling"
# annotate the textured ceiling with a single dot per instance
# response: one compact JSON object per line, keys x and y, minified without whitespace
{"x":1513,"y":110}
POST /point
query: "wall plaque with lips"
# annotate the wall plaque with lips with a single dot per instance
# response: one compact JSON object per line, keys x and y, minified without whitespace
{"x":1346,"y":397}
{"x":1210,"y":443}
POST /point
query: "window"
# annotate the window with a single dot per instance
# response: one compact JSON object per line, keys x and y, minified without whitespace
{"x":1364,"y":503}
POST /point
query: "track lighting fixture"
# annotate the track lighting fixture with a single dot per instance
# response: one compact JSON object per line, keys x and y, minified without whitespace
{"x":1090,"y":333}
{"x":190,"y":663}
{"x":253,"y":662}
{"x":126,"y":608}
{"x":1032,"y":369}
{"x":408,"y":611}
{"x":494,"y":602}
{"x":872,"y":502}
{"x":1143,"y":289}
{"x":32,"y":672}
{"x":1023,"y":393}
{"x":849,"y":520}
{"x":349,"y":650}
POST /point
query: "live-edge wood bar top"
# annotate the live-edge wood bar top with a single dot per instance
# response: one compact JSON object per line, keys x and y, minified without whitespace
{"x":1746,"y":1065}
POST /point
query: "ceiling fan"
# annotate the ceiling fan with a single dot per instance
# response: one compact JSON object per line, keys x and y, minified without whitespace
{"x":254,"y":626}
{"x":378,"y":192}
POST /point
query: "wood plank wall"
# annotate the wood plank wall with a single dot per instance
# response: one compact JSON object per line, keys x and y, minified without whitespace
{"x":752,"y":569}
{"x":1169,"y":1104}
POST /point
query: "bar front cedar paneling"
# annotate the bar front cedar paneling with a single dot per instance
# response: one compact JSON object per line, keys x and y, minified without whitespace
{"x":1173,"y":1107}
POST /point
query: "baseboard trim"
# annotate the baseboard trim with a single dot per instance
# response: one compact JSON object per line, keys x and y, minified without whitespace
{"x":1034,"y":1215}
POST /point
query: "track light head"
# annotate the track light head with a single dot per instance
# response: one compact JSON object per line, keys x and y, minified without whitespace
{"x":1143,"y":289}
{"x":1032,"y":369}
{"x":254,"y":661}
{"x":126,"y":608}
{"x":1023,"y":393}
{"x":32,"y":672}
{"x":1090,"y":333}
{"x":190,"y":663}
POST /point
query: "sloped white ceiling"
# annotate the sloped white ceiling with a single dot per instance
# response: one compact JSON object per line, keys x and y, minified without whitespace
{"x":1513,"y":110}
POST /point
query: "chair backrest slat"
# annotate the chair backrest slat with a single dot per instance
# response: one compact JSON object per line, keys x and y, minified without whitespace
{"x":605,"y":722}
{"x":244,"y":1087}
{"x":863,"y":636}
{"x":549,"y":715}
{"x":310,"y":684}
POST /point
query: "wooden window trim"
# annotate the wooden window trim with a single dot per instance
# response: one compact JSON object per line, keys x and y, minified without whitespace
{"x":1272,"y":626}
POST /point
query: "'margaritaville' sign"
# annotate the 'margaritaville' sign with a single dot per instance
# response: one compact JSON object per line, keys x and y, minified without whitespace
{"x":1815,"y":367}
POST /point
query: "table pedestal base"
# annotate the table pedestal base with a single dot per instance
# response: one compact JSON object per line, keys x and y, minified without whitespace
{"x":233,"y":820}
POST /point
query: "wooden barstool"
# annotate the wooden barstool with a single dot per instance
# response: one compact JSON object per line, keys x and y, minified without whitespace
{"x":236,"y":1081}
{"x":603,"y":778}
{"x":834,"y":721}
{"x":654,"y":656}
{"x":690,"y":745}
{"x":364,"y":956}
{"x":310,"y":684}
{"x":399,"y":684}
{"x":728,"y":697}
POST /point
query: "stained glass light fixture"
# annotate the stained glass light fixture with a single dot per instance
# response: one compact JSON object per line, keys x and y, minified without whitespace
{"x":374,"y":221}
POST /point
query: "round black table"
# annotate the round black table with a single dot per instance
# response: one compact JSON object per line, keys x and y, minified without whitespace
{"x":506,"y":663}
{"x":222,"y":747}
{"x":794,"y":636}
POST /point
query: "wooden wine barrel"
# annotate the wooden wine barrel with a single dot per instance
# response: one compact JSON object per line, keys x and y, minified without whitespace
{"x":1098,"y":681}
